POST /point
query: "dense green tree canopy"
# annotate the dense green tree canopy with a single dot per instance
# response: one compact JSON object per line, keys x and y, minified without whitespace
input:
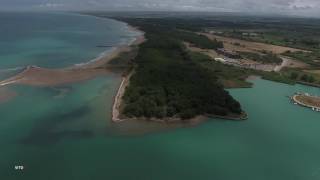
{"x":168,"y":83}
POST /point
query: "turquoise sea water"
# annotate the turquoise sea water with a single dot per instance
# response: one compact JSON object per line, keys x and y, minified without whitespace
{"x":67,"y":137}
{"x":64,"y":133}
{"x":55,"y":39}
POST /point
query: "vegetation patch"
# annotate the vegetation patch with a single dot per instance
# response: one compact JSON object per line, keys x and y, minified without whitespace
{"x":267,"y":58}
{"x":169,"y":83}
{"x":312,"y":58}
{"x":229,"y":76}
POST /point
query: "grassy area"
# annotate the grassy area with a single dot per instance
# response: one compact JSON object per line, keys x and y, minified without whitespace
{"x":267,"y":58}
{"x":307,"y":39}
{"x":200,"y":41}
{"x":277,"y":77}
{"x":229,"y":76}
{"x":301,"y":76}
{"x":302,"y":33}
{"x":291,"y":76}
{"x":235,"y":77}
{"x":312,"y":58}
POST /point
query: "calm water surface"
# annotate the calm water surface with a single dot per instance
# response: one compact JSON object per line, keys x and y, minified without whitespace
{"x":55,"y":40}
{"x":67,"y":137}
{"x":65,"y":133}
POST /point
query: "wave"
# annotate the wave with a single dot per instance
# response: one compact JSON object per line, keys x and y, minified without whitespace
{"x":11,"y":69}
{"x":129,"y":38}
{"x":101,"y":55}
{"x":123,"y":41}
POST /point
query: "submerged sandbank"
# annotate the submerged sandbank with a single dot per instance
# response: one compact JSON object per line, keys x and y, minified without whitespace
{"x":6,"y":95}
{"x":37,"y":76}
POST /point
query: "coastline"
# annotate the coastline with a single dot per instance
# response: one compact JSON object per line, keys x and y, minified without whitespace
{"x":116,"y":111}
{"x":116,"y":107}
{"x":37,"y":76}
{"x":315,"y":105}
{"x":193,"y":121}
{"x":117,"y":116}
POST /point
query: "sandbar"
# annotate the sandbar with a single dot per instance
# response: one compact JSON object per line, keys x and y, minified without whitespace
{"x":38,"y":76}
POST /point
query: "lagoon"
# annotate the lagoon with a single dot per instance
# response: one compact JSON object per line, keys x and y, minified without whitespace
{"x":278,"y":141}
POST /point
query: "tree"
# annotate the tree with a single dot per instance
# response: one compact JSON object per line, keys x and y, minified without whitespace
{"x":304,"y":77}
{"x":311,"y":79}
{"x":294,"y":75}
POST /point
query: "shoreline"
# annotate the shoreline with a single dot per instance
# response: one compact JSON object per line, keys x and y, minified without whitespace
{"x":196,"y":120}
{"x":296,"y":100}
{"x":116,"y":107}
{"x":116,"y":112}
{"x":117,"y":102}
{"x":308,"y":84}
{"x":37,"y":76}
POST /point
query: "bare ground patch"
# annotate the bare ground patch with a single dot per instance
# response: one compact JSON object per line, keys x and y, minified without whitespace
{"x":248,"y":46}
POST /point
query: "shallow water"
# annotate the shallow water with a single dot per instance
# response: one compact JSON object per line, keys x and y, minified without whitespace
{"x":65,"y":133}
{"x":68,"y":137}
{"x":55,"y":40}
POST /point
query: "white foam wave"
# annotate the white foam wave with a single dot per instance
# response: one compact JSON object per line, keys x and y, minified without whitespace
{"x":101,"y":55}
{"x":11,"y":69}
{"x":129,"y":40}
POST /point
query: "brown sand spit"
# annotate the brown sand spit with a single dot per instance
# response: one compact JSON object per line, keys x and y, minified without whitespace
{"x":38,"y":76}
{"x":116,"y":108}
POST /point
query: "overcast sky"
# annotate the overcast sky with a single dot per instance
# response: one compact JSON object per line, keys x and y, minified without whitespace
{"x":294,"y":7}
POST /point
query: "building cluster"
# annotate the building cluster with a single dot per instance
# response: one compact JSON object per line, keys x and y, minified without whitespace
{"x":234,"y":59}
{"x":250,"y":34}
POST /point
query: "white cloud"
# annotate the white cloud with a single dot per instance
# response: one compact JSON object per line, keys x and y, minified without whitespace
{"x":306,"y":7}
{"x":50,"y":5}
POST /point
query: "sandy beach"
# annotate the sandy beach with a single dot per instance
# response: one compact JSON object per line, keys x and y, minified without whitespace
{"x":116,"y":108}
{"x":116,"y":111}
{"x":37,"y":76}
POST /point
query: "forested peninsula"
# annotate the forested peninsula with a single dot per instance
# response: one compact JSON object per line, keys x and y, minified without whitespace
{"x":169,"y":83}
